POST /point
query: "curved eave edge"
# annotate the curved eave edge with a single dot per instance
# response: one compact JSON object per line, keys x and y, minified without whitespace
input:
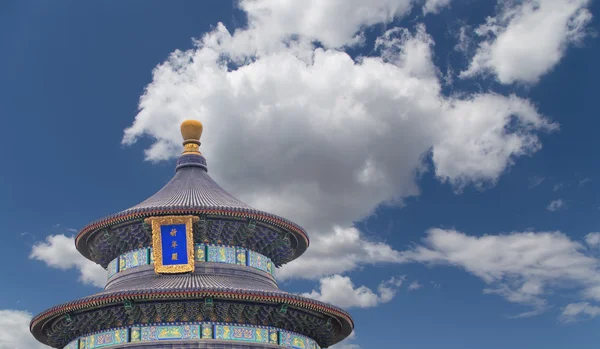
{"x":125,"y":216}
{"x":36,"y":324}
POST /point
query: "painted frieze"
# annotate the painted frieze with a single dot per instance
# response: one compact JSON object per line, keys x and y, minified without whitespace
{"x":106,"y":339}
{"x":113,"y":267}
{"x":240,"y":256}
{"x":170,"y":332}
{"x":221,"y":254}
{"x":258,"y":261}
{"x":242,"y":333}
{"x":200,"y":254}
{"x":292,"y":340}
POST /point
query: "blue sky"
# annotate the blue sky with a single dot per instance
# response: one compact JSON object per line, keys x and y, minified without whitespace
{"x":438,"y":149}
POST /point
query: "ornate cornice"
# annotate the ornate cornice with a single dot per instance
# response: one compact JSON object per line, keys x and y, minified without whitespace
{"x":260,"y":217}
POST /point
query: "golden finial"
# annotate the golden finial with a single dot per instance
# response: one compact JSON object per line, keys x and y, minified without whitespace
{"x":191,"y":130}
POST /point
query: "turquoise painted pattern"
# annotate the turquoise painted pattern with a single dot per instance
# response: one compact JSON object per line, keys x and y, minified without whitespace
{"x":292,"y":340}
{"x":136,"y":258}
{"x":207,"y":331}
{"x":106,"y":339}
{"x":113,"y":267}
{"x":241,"y":256}
{"x":194,"y":331}
{"x":202,"y":253}
{"x":259,"y":261}
{"x":221,"y":254}
{"x":135,"y":334}
{"x":242,"y":333}
{"x":170,"y":332}
{"x":273,"y":336}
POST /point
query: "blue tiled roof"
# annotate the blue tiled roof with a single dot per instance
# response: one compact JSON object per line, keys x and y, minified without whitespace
{"x":190,"y":187}
{"x":192,"y":191}
{"x":192,"y":281}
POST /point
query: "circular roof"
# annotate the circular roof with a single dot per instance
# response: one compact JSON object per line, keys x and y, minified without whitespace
{"x":191,"y":191}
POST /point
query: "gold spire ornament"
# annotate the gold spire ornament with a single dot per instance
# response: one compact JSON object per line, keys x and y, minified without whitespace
{"x":191,"y":131}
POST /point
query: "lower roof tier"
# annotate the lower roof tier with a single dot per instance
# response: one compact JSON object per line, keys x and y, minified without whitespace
{"x":62,"y":324}
{"x":105,"y":243}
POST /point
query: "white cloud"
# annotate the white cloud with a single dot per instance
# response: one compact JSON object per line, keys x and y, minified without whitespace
{"x":584,"y":181}
{"x":340,"y":291}
{"x":557,"y":187}
{"x":58,"y":251}
{"x":593,"y":239}
{"x":14,"y":331}
{"x":337,"y":252}
{"x":318,"y":137}
{"x":434,"y":6}
{"x":522,"y":267}
{"x":464,"y":39}
{"x":415,"y":285}
{"x":526,"y":39}
{"x":333,"y":23}
{"x":555,"y":205}
{"x":575,"y":311}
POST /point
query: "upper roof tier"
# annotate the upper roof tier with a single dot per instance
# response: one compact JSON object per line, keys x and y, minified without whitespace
{"x":226,"y":220}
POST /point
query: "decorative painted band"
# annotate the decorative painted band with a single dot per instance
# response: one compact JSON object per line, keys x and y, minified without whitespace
{"x":202,"y":253}
{"x":193,"y":331}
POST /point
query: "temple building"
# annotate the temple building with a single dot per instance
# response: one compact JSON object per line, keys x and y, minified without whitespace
{"x":192,"y":267}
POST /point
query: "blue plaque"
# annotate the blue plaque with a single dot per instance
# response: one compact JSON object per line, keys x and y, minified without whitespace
{"x":172,"y":243}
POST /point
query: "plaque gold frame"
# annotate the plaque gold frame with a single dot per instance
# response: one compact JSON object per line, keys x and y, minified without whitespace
{"x":156,"y":223}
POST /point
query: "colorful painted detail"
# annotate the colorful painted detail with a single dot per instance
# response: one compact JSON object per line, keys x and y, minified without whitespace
{"x":113,"y":267}
{"x":241,"y":255}
{"x":104,"y":339}
{"x":202,"y":253}
{"x":194,"y":331}
{"x":221,"y":254}
{"x":258,"y":261}
{"x":292,"y":340}
{"x":133,"y":259}
{"x":169,"y":332}
{"x":242,"y":333}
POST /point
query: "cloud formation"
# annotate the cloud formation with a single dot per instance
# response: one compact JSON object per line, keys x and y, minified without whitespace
{"x":555,"y":205}
{"x":332,"y":23}
{"x":312,"y":134}
{"x":58,"y":251}
{"x":526,"y":39}
{"x":339,"y":290}
{"x":522,"y":267}
{"x":14,"y":331}
{"x":593,"y":239}
{"x":434,"y":6}
{"x":415,"y":285}
{"x":343,"y":250}
{"x":576,"y":311}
